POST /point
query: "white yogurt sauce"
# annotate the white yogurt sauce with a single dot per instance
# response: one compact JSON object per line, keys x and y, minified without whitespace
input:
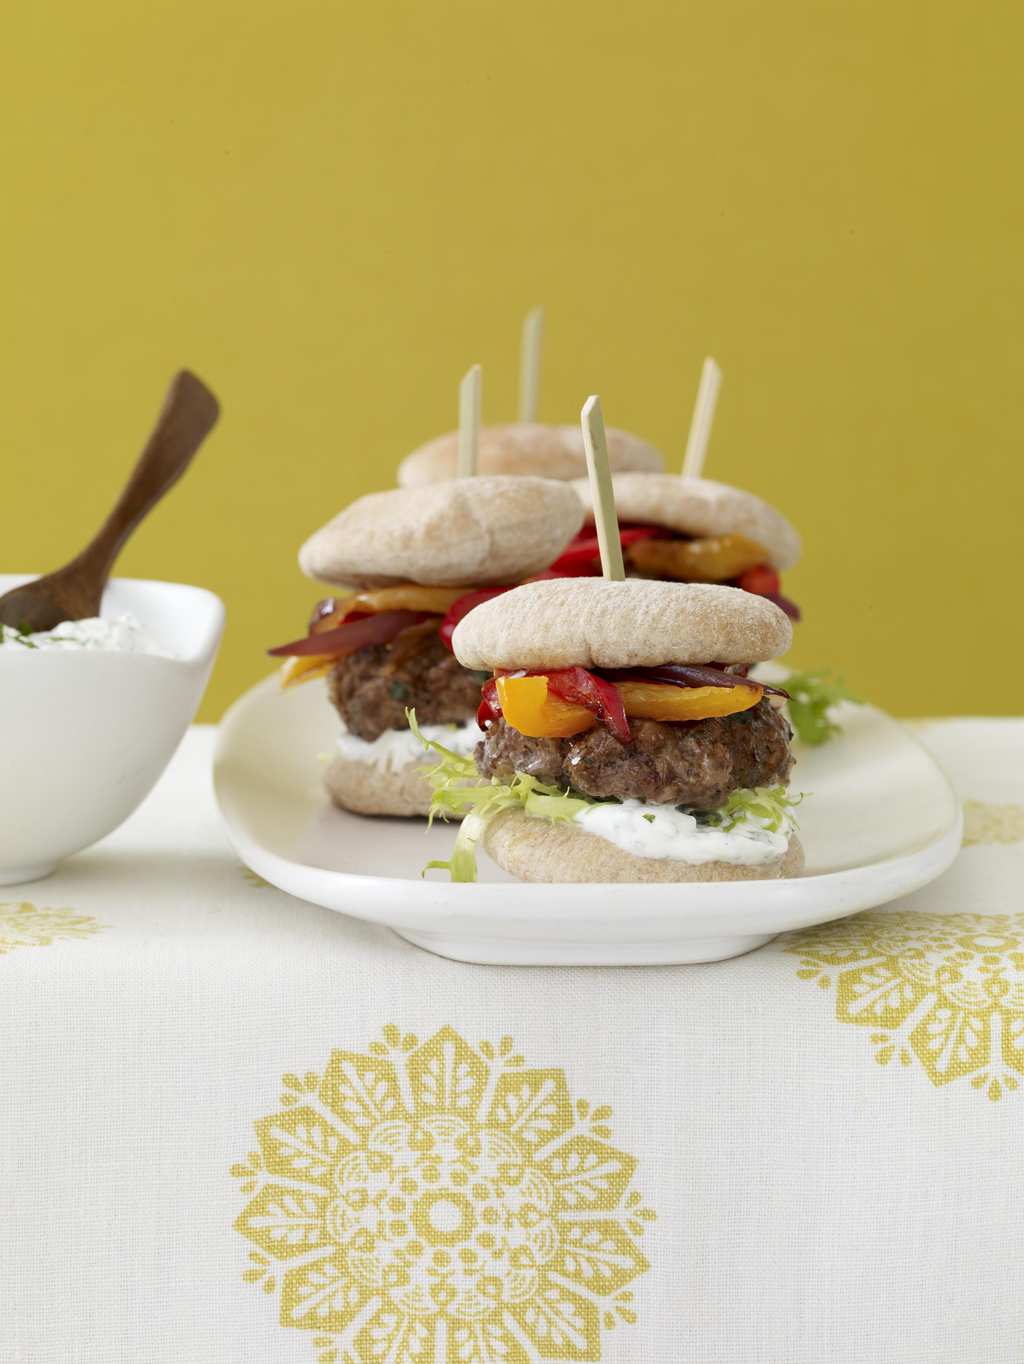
{"x":122,"y":635}
{"x":663,"y":831}
{"x":397,"y":748}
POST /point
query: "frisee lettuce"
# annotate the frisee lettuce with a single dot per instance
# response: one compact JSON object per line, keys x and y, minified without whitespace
{"x":459,"y":792}
{"x":770,"y":806}
{"x":811,"y":698}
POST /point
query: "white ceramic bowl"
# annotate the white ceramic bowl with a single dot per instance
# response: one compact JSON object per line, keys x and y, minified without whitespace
{"x":85,"y":734}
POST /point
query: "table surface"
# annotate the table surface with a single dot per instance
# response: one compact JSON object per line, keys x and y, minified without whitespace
{"x":236,"y":1127}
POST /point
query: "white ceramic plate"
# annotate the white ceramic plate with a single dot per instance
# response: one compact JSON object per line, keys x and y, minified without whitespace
{"x":881,"y":820}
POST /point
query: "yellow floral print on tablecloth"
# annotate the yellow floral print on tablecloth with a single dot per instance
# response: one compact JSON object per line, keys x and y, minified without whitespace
{"x":943,"y":991}
{"x":25,"y":925}
{"x":441,"y":1203}
{"x":987,"y":823}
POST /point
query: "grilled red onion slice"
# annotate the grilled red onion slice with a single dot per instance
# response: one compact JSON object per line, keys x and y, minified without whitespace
{"x":356,"y":634}
{"x":689,"y":675}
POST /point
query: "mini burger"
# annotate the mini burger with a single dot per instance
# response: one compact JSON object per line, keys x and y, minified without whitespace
{"x":622,"y":738}
{"x":691,"y":530}
{"x":419,"y":561}
{"x":527,"y":448}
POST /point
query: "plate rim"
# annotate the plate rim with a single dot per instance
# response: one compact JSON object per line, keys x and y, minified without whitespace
{"x":912,"y":869}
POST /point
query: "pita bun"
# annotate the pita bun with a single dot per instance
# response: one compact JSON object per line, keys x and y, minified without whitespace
{"x":475,"y":531}
{"x":366,"y":789}
{"x":541,"y":850}
{"x":591,"y":623}
{"x":700,"y":507}
{"x":520,"y":448}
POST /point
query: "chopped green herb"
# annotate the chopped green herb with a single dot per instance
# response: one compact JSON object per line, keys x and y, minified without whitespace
{"x":16,"y":634}
{"x":649,"y":819}
{"x":398,"y":691}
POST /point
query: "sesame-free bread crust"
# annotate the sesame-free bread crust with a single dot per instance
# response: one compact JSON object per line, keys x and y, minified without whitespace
{"x":369,"y":790}
{"x":701,"y":508}
{"x":519,"y":448}
{"x":592,"y":623}
{"x":475,"y":531}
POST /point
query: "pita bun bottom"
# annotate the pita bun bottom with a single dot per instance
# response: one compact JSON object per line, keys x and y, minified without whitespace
{"x":365,"y":789}
{"x":540,"y":850}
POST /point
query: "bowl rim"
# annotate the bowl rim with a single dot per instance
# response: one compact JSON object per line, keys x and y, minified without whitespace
{"x":201,"y":649}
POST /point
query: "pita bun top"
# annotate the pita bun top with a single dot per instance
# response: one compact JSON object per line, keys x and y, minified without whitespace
{"x":481,"y":532}
{"x":526,"y":448}
{"x":592,"y":623}
{"x":700,"y":507}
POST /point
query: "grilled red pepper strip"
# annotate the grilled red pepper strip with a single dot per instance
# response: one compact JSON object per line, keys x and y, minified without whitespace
{"x":762,"y":580}
{"x":489,"y":708}
{"x":584,"y":549}
{"x":584,"y":688}
{"x":380,"y":628}
{"x":576,"y":685}
{"x":462,"y":607}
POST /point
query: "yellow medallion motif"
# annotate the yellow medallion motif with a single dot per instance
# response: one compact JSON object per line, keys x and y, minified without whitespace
{"x":944,"y":990}
{"x":24,"y":925}
{"x":439,"y":1203}
{"x":985,"y":823}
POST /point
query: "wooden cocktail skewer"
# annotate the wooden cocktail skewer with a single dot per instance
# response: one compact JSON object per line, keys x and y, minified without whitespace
{"x":469,"y":423}
{"x":703,"y":416}
{"x":529,"y":365}
{"x":601,"y":492}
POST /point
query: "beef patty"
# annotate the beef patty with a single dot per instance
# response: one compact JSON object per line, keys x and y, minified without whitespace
{"x":697,"y":764}
{"x":371,"y":688}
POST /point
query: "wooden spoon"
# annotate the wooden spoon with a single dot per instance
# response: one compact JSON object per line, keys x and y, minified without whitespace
{"x":74,"y":592}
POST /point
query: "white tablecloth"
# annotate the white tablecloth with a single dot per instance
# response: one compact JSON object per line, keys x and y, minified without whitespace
{"x":237,"y":1129}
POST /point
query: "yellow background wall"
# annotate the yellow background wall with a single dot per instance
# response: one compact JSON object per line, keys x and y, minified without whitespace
{"x":329,"y":210}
